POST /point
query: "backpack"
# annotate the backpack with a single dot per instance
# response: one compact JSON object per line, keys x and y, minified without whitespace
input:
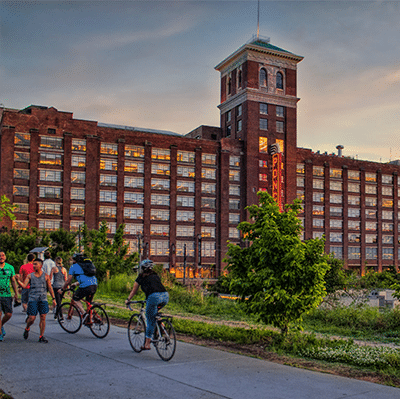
{"x":89,"y":269}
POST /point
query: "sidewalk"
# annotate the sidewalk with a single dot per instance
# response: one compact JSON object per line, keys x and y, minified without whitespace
{"x":80,"y":365}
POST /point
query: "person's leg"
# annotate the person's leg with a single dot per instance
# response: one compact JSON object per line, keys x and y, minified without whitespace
{"x":58,"y":298}
{"x":151,"y":311}
{"x":42,"y":324}
{"x":43,"y":310}
{"x":7,"y":309}
{"x":31,"y":312}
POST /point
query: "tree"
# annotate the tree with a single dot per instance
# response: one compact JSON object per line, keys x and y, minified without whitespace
{"x":6,"y":208}
{"x":279,"y":277}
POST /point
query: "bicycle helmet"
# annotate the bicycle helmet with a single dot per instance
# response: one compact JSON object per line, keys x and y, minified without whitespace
{"x":146,"y":264}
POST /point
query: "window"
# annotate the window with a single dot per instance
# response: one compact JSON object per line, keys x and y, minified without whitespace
{"x":371,"y":253}
{"x":22,"y":208}
{"x":336,"y":237}
{"x":263,"y":109}
{"x":318,"y":210}
{"x":337,"y":252}
{"x":263,"y":124}
{"x":336,"y":198}
{"x":280,"y":127}
{"x":159,"y":214}
{"x":159,"y":248}
{"x":133,"y":182}
{"x":134,"y":151}
{"x":49,"y":192}
{"x":279,"y":80}
{"x":22,"y":139}
{"x":387,"y":239}
{"x":263,"y":77}
{"x":160,"y":199}
{"x":387,"y":179}
{"x":370,"y":177}
{"x":160,"y":154}
{"x":335,"y":185}
{"x":318,"y":197}
{"x":263,"y":145}
{"x":108,"y":211}
{"x":387,"y":191}
{"x":371,"y":238}
{"x":317,"y":234}
{"x":135,"y":167}
{"x":159,"y":184}
{"x":48,"y":158}
{"x":208,"y":188}
{"x":133,"y":198}
{"x":49,"y":209}
{"x":159,"y":230}
{"x":387,"y":253}
{"x":187,"y":186}
{"x":370,"y":226}
{"x":336,"y":173}
{"x":354,"y":225}
{"x":77,"y":193}
{"x":108,"y":196}
{"x":160,"y":169}
{"x":108,"y":149}
{"x":77,"y":210}
{"x":318,"y":184}
{"x":387,"y":226}
{"x":234,"y":218}
{"x":78,"y":145}
{"x":239,"y":79}
{"x":185,"y":156}
{"x":108,"y":180}
{"x":207,"y":217}
{"x":239,"y":110}
{"x":353,"y":200}
{"x":208,"y":203}
{"x":336,"y":211}
{"x":353,"y":187}
{"x":370,"y":189}
{"x":180,"y":248}
{"x":234,"y":175}
{"x":207,"y":173}
{"x":133,"y":213}
{"x":209,"y":159}
{"x":387,"y":215}
{"x":54,"y":143}
{"x":208,"y":248}
{"x":280,"y":111}
{"x":184,"y":231}
{"x":353,"y":212}
{"x":354,"y":237}
{"x":239,"y":125}
{"x":108,"y":164}
{"x":354,"y":252}
{"x":300,"y":195}
{"x":234,"y":204}
{"x":78,"y":161}
{"x":133,"y":228}
{"x":78,"y":177}
{"x":318,"y":171}
{"x":21,"y":157}
{"x":300,"y":168}
{"x":49,"y":224}
{"x":185,"y":171}
{"x":185,"y":216}
{"x":370,"y":213}
{"x":387,"y":203}
{"x":184,"y":201}
{"x":353,"y":175}
{"x":208,"y":232}
{"x":234,"y":233}
{"x":21,"y":174}
{"x":234,"y":190}
{"x":234,"y":161}
{"x":75,"y":225}
{"x":300,"y":182}
{"x":318,"y":223}
{"x":20,"y":224}
{"x":370,"y":201}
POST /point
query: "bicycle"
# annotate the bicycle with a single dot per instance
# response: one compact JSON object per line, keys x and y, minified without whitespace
{"x":71,"y":319}
{"x":164,"y":335}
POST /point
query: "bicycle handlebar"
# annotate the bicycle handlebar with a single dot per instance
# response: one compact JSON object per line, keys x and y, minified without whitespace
{"x":129,"y":304}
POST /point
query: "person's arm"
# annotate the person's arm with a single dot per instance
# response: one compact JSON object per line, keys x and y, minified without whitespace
{"x":53,"y":270}
{"x":133,"y":292}
{"x":66,"y":284}
{"x":50,"y":288}
{"x":25,"y":283}
{"x":15,"y":286}
{"x":64,"y":272}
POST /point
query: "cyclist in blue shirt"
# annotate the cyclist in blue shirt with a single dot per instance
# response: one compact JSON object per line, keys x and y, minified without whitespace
{"x":87,"y":285}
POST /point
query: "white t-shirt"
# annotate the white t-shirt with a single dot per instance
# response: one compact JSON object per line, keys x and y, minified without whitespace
{"x":48,"y":264}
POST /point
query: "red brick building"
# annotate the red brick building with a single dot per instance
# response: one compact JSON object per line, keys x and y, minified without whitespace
{"x":177,"y":193}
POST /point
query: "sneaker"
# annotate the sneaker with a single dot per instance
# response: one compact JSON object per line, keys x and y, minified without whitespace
{"x":3,"y":332}
{"x":26,"y":334}
{"x":43,"y":339}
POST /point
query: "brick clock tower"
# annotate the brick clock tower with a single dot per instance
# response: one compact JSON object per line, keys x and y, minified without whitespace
{"x":259,"y":110}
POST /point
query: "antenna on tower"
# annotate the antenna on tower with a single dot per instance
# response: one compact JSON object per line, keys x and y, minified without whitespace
{"x":258,"y":20}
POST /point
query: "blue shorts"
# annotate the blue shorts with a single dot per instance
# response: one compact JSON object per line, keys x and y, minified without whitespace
{"x":35,"y":307}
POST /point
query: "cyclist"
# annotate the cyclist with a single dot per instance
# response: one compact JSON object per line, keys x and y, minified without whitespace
{"x":156,"y":296}
{"x":87,"y":285}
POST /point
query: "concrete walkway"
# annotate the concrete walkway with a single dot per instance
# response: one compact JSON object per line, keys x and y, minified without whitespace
{"x":80,"y":365}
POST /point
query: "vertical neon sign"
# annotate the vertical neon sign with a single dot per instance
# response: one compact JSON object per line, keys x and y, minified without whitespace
{"x":277,"y":180}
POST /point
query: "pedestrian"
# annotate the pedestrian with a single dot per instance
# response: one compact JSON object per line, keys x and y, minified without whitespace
{"x":40,"y":283}
{"x":24,"y":270}
{"x":48,"y":263}
{"x":7,"y":275}
{"x":58,"y":276}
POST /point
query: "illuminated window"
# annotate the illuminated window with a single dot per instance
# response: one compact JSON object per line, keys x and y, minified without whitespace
{"x":108,"y":164}
{"x":108,"y":149}
{"x":77,"y":193}
{"x":54,"y":143}
{"x":78,"y":177}
{"x":387,"y":203}
{"x":108,"y":180}
{"x":77,"y":210}
{"x":208,"y":188}
{"x":207,"y":173}
{"x":387,"y":226}
{"x":281,"y":144}
{"x":208,"y":232}
{"x":48,"y":158}
{"x":133,"y":228}
{"x":133,"y":198}
{"x":354,"y":237}
{"x":49,"y":209}
{"x":234,"y":175}
{"x":318,"y":210}
{"x":160,"y":169}
{"x":353,"y":175}
{"x":300,"y":168}
{"x":159,"y":248}
{"x":79,"y":145}
{"x":185,"y":216}
{"x":133,"y":182}
{"x":160,"y":154}
{"x":185,"y":171}
{"x":208,"y":217}
{"x":370,"y":226}
{"x":20,"y":224}
{"x":109,"y":196}
{"x":370,"y":177}
{"x":208,"y":159}
{"x":318,"y":197}
{"x":186,"y":186}
{"x":180,"y":248}
{"x":262,"y":163}
{"x":159,"y":184}
{"x":300,"y":195}
{"x":108,"y":211}
{"x":133,"y":213}
{"x":318,"y":171}
{"x":184,"y":231}
{"x":184,"y":201}
{"x":21,"y":157}
{"x":22,"y":139}
{"x":134,"y":151}
{"x":159,"y":230}
{"x":234,"y":161}
{"x":50,"y":192}
{"x":263,"y":124}
{"x":21,"y":174}
{"x":159,"y":214}
{"x":78,"y":161}
{"x":337,"y":173}
{"x":136,"y":167}
{"x":160,"y":199}
{"x":262,"y":177}
{"x":49,"y":225}
{"x":185,"y":156}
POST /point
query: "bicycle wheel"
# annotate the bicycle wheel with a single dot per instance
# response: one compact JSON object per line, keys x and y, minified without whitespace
{"x":69,"y":318}
{"x":166,"y":343}
{"x":136,"y":332}
{"x":101,"y":324}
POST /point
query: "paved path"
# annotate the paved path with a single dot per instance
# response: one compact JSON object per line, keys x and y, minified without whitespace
{"x":80,"y":365}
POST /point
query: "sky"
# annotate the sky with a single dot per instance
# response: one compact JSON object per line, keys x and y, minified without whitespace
{"x":150,"y":64}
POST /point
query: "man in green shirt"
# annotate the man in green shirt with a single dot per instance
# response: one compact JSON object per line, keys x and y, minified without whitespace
{"x":7,"y":274}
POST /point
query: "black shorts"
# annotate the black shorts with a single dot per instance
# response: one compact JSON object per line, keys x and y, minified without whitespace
{"x":87,"y":293}
{"x":6,"y":304}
